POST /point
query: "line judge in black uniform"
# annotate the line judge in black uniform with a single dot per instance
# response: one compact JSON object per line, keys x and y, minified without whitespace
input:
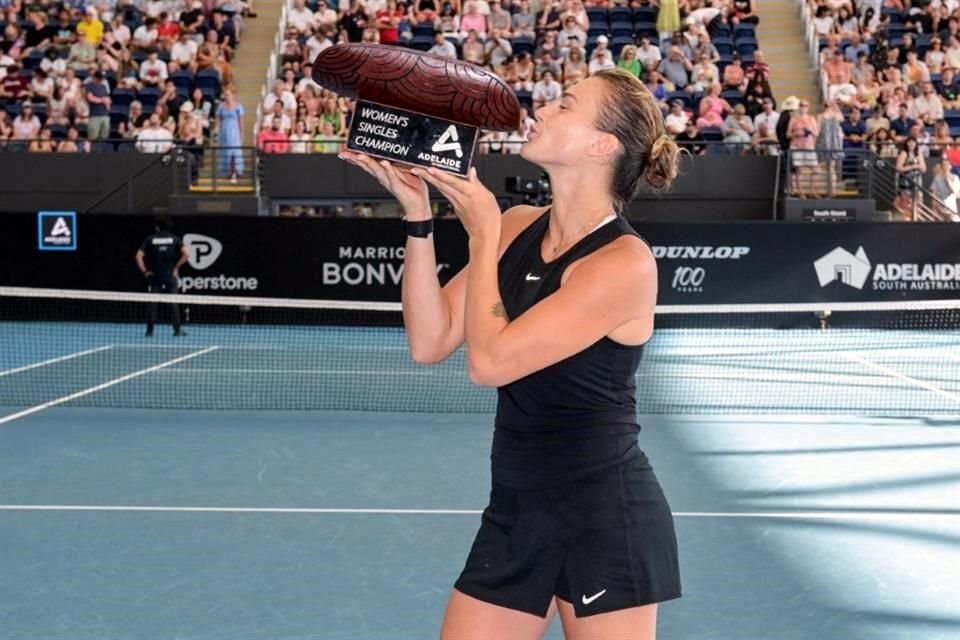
{"x":159,"y":259}
{"x":555,"y":307}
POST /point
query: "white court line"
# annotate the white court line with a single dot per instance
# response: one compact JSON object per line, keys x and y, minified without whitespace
{"x":105,"y":385}
{"x":325,"y":372}
{"x":790,"y":515}
{"x":54,"y":360}
{"x":896,"y":374}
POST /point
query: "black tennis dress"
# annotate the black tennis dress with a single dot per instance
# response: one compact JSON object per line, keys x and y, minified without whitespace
{"x":575,"y":508}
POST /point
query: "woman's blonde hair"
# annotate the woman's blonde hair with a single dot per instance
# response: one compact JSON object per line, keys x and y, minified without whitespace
{"x":647,"y":153}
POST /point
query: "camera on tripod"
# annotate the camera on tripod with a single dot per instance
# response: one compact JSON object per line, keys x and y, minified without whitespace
{"x":535,"y":191}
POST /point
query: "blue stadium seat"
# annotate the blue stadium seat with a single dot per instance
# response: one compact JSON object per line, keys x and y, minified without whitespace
{"x":122,"y":97}
{"x":182,"y":80}
{"x":621,"y":29}
{"x":40,"y":110}
{"x":597,"y":13}
{"x":732,"y":96}
{"x":680,"y":95}
{"x":648,"y":29}
{"x":954,"y":132}
{"x":57,"y":131}
{"x":522,"y":44}
{"x":424,"y":29}
{"x":645,"y":14}
{"x":712,"y":134}
{"x":621,"y":14}
{"x":208,"y":79}
{"x":745,"y":30}
{"x":952,"y":116}
{"x":148,"y":97}
{"x":617,"y":43}
{"x":724,"y":46}
{"x":118,"y":114}
{"x":525,"y":98}
{"x":422,"y":43}
{"x":600,"y":23}
{"x":34,"y":59}
{"x":597,"y":30}
{"x":746,"y":47}
{"x":723,"y":31}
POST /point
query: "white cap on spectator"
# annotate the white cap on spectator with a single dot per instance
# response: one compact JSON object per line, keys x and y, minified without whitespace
{"x":187,"y":107}
{"x":602,"y":39}
{"x":790,"y":103}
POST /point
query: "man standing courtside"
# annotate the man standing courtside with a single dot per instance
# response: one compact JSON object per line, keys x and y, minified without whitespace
{"x":159,"y":259}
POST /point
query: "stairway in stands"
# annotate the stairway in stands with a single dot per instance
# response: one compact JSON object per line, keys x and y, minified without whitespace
{"x":257,"y":41}
{"x":782,"y":41}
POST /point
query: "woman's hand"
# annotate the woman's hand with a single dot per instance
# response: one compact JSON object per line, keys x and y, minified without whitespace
{"x":473,"y":203}
{"x":410,"y":191}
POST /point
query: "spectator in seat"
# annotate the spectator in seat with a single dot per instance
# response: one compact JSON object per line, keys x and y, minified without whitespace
{"x":121,"y":32}
{"x":499,"y":19}
{"x":388,"y":23}
{"x":226,"y":33}
{"x":601,"y":58}
{"x":767,"y":116}
{"x":97,"y":95}
{"x":300,"y":139}
{"x":473,"y":50}
{"x":273,"y":139}
{"x":676,"y":121}
{"x":327,"y":140}
{"x":43,"y":143}
{"x":574,"y":69}
{"x":570,"y":30}
{"x":154,"y":138}
{"x":628,"y":61}
{"x":691,"y":139}
{"x":41,"y":86}
{"x":136,"y":120}
{"x":713,"y":108}
{"x":300,"y":17}
{"x":90,"y":28}
{"x":928,"y":105}
{"x":26,"y":126}
{"x":703,"y":76}
{"x":497,"y":48}
{"x":353,"y":21}
{"x":58,"y":109}
{"x":949,"y":92}
{"x":167,"y":32}
{"x":441,"y":47}
{"x":656,"y":85}
{"x":192,"y":22}
{"x":317,"y":43}
{"x":52,"y":63}
{"x":877,"y":120}
{"x":550,"y":19}
{"x":210,"y":55}
{"x":548,"y":44}
{"x":73,"y":143}
{"x":861,"y":71}
{"x":914,"y":70}
{"x":743,"y":12}
{"x":146,"y":36}
{"x":333,"y":114}
{"x":475,"y":21}
{"x":648,"y":55}
{"x":838,"y":74}
{"x":525,"y":71}
{"x":524,"y":23}
{"x":901,"y":125}
{"x":153,"y":70}
{"x":546,"y":90}
{"x":676,"y":68}
{"x":286,"y":120}
{"x":935,"y":57}
{"x":184,"y":52}
{"x":65,"y":34}
{"x":738,"y":129}
{"x":946,"y":188}
{"x":734,"y":76}
{"x":448,"y":21}
{"x":325,"y":17}
{"x":82,"y":55}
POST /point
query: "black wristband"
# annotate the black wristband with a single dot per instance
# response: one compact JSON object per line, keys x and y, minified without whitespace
{"x":419,"y":228}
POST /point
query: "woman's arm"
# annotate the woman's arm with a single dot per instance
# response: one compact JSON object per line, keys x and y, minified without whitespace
{"x":501,"y":350}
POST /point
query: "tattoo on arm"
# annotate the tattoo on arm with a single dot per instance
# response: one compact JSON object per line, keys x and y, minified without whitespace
{"x":499,"y":311}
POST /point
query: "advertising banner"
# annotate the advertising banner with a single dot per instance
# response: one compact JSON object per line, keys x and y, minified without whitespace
{"x":362,"y":259}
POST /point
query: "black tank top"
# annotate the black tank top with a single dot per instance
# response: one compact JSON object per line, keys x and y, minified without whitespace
{"x":578,"y":415}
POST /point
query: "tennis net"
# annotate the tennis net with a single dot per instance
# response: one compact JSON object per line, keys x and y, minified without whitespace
{"x":85,"y":348}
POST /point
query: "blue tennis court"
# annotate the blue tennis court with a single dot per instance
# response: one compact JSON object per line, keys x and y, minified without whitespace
{"x":193,"y":489}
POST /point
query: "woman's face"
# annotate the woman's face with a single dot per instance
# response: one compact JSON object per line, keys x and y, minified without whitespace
{"x":564,"y":129}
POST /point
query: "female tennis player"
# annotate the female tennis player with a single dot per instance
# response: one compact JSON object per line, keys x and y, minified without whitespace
{"x":555,"y":306}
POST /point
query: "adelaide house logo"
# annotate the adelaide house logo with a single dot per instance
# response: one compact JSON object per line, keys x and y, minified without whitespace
{"x":854,"y":270}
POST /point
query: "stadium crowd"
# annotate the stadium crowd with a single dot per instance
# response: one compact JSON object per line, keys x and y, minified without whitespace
{"x":700,"y":59}
{"x":890,"y":71}
{"x":115,"y":74}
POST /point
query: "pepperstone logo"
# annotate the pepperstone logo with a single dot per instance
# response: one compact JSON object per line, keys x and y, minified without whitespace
{"x":203,"y":250}
{"x":202,"y":253}
{"x":850,"y":269}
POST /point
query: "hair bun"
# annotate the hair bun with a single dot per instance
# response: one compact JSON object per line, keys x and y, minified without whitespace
{"x":662,"y":165}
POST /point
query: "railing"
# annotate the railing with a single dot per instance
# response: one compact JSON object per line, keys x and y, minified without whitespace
{"x":861,"y":173}
{"x":813,"y":47}
{"x":271,"y":67}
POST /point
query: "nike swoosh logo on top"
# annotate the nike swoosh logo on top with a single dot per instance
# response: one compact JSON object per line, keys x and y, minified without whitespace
{"x":587,"y":600}
{"x":530,"y":276}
